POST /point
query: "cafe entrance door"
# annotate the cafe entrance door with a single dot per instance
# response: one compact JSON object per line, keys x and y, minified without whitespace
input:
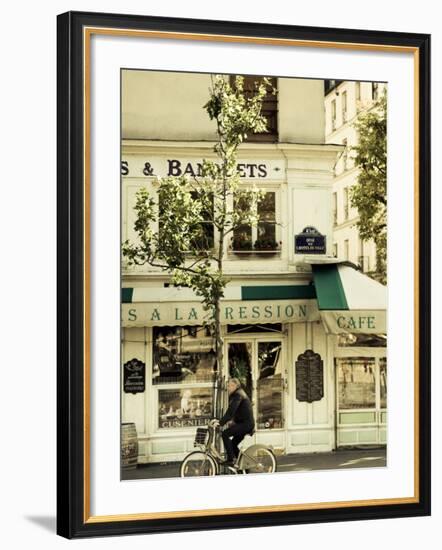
{"x":258,"y":361}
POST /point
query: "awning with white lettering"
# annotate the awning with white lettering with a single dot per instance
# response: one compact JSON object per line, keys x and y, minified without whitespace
{"x":154,"y":306}
{"x":345,"y":299}
{"x":350,"y":301}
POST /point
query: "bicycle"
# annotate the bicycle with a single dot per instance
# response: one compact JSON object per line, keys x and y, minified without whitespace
{"x":208,"y":460}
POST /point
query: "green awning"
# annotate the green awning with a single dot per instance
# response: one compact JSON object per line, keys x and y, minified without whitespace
{"x":329,"y":290}
{"x":282,"y":292}
{"x":349,"y":301}
{"x":126,"y":295}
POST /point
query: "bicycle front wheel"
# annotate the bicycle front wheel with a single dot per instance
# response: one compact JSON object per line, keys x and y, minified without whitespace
{"x":198,"y":464}
{"x":260,"y":460}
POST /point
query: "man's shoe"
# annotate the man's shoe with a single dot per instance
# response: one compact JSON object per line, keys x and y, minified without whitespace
{"x":228,"y":463}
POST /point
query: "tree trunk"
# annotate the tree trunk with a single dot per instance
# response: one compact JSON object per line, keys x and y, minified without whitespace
{"x":219,"y":347}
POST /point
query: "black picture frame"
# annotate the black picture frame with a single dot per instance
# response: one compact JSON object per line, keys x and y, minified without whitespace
{"x":73,"y":518}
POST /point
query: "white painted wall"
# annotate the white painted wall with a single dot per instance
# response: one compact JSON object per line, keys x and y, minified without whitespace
{"x":301,"y":114}
{"x":163,"y":105}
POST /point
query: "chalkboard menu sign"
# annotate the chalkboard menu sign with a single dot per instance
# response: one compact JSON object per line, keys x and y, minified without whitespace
{"x":310,"y":241}
{"x":134,"y":376}
{"x":309,"y":377}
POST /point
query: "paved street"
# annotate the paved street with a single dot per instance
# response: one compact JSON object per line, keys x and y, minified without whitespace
{"x":354,"y":458}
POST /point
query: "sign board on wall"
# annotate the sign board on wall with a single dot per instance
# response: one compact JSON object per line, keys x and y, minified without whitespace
{"x":164,"y":166}
{"x":310,"y":241}
{"x":309,"y":377}
{"x":134,"y":376}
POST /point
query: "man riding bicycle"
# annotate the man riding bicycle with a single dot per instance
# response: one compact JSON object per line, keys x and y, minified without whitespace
{"x":238,"y":418}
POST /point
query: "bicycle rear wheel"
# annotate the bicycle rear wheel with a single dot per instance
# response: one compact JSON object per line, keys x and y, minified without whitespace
{"x":260,"y":460}
{"x":198,"y":464}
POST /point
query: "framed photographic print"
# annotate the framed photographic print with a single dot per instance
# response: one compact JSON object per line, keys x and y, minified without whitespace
{"x":243,"y":262}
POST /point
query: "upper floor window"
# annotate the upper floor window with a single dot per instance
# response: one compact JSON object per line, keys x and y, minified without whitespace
{"x":346,"y":204}
{"x":262,"y":237}
{"x":345,"y":154}
{"x":335,"y":208}
{"x":205,"y":239}
{"x":333,"y":114}
{"x":204,"y":232}
{"x":357,"y":91}
{"x":346,"y":249}
{"x":344,"y":107}
{"x":363,"y":260}
{"x":374,"y":91}
{"x":269,"y":108}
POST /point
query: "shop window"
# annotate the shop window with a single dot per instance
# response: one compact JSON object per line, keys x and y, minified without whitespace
{"x":260,"y":238}
{"x":383,"y":382}
{"x":350,"y":339}
{"x":269,"y":385}
{"x":362,"y":384}
{"x":182,"y":408}
{"x":240,"y":364}
{"x":357,"y":383}
{"x":258,"y":364}
{"x":269,"y":107}
{"x":183,"y":355}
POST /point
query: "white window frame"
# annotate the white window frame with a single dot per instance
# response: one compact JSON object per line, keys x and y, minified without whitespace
{"x":266,"y":187}
{"x":358,"y":91}
{"x":344,"y":106}
{"x":346,"y":203}
{"x":335,"y":208}
{"x":333,"y":114}
{"x":345,"y":154}
{"x":347,"y":249}
{"x":369,"y":353}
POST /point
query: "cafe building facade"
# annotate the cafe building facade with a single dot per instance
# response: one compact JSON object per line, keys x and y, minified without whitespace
{"x":303,"y":330}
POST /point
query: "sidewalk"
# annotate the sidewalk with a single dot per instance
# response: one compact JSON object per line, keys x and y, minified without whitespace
{"x":340,"y":459}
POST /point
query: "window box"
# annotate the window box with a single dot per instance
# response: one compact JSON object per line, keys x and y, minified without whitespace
{"x":267,"y":246}
{"x":242,"y":246}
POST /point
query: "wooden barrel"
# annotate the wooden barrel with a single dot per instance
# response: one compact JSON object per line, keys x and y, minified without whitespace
{"x":129,"y":446}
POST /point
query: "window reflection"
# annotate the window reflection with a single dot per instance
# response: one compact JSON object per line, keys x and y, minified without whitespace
{"x":267,"y":222}
{"x":357,"y":383}
{"x":383,"y":381}
{"x":270,"y":385}
{"x":350,"y":339}
{"x":182,"y":355}
{"x":182,"y":408}
{"x":240,"y":364}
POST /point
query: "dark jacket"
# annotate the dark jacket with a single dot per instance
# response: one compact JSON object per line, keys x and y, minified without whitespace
{"x":239,"y":409}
